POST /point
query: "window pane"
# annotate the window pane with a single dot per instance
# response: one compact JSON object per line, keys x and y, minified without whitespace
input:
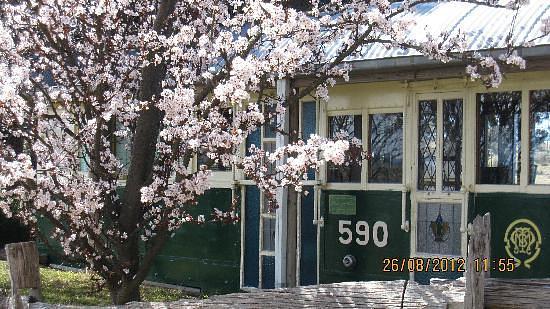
{"x":350,"y":124}
{"x":270,"y":147}
{"x":309,"y":126}
{"x":499,"y":130}
{"x":452,"y":145}
{"x":271,"y":125}
{"x":122,"y":151}
{"x":203,"y":159}
{"x":84,"y":161}
{"x":268,"y":272}
{"x":386,"y":148}
{"x":439,"y":228}
{"x":268,"y":234}
{"x":266,"y":209}
{"x":427,"y":141}
{"x":539,"y":155}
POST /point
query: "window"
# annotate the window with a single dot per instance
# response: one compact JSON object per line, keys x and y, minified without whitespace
{"x":499,"y":128}
{"x":270,"y":145}
{"x":439,"y":228}
{"x":351,"y":126}
{"x":267,"y":215}
{"x":84,"y":162}
{"x":440,"y":145}
{"x":452,"y":145}
{"x":216,"y":164}
{"x":309,"y":126}
{"x":270,"y":127}
{"x":267,"y":249}
{"x":539,"y":137}
{"x":427,"y":141}
{"x":122,"y":150}
{"x":386,"y":148}
{"x":268,"y":233}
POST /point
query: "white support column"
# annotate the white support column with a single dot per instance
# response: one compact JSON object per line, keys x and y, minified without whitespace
{"x":281,"y":229}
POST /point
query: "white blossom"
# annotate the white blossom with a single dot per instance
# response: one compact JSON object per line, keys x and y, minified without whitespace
{"x":85,"y":83}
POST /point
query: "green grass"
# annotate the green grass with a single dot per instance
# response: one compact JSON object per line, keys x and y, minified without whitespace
{"x":74,"y":288}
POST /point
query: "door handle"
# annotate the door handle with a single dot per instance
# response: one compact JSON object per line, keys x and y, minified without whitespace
{"x":320,"y":222}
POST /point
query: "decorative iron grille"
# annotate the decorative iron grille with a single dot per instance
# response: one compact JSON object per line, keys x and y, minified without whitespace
{"x":427,"y":141}
{"x":452,"y":145}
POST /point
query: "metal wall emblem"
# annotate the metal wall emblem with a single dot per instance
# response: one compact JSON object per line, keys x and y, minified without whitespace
{"x":523,"y":241}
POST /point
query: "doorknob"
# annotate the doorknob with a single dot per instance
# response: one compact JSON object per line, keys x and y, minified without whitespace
{"x":349,"y":261}
{"x":320,"y":222}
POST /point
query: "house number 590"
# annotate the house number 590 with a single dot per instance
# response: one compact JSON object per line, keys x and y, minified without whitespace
{"x":362,"y":231}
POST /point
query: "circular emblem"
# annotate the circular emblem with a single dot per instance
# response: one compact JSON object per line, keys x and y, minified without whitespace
{"x":523,"y":241}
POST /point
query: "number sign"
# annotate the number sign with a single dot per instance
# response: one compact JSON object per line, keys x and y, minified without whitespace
{"x":379,"y":233}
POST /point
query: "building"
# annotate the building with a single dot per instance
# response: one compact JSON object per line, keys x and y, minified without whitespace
{"x":444,"y":149}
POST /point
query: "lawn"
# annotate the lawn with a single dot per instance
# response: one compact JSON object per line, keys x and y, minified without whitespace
{"x":78,"y":288}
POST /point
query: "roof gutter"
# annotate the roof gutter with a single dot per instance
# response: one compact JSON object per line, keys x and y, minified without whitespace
{"x":423,"y":61}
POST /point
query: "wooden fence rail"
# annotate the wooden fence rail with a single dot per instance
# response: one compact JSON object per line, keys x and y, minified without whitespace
{"x":517,"y":293}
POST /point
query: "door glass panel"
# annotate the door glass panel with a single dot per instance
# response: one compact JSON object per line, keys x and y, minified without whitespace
{"x":452,"y":145}
{"x":270,"y":146}
{"x":122,"y":150}
{"x":386,"y":148}
{"x":539,"y":131}
{"x":349,"y":125}
{"x":427,"y":140}
{"x":271,"y":125}
{"x":268,"y":237}
{"x":499,"y":130}
{"x":266,"y":209}
{"x":439,"y":228}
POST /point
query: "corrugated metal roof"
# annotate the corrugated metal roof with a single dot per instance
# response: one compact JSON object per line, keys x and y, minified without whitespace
{"x":485,"y":27}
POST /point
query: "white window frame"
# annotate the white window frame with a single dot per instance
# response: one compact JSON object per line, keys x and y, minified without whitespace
{"x":523,"y":187}
{"x":361,"y":185}
{"x":524,"y":143}
{"x":536,"y":187}
{"x":439,"y":97}
{"x":438,"y":196}
{"x":385,"y":186}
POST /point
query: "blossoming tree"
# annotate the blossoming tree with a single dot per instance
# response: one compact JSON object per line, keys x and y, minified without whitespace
{"x":176,"y":79}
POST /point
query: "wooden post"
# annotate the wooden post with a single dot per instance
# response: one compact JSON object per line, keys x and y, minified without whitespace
{"x":478,"y":262}
{"x":286,"y":214}
{"x":293,"y":109}
{"x":281,"y":227}
{"x":24,"y":271}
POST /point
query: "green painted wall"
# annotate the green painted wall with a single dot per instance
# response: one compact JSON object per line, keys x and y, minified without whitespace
{"x":205,"y":256}
{"x":371,"y":206}
{"x":505,"y":209}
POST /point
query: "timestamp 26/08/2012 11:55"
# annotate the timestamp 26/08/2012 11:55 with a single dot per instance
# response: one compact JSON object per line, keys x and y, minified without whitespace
{"x":442,"y":264}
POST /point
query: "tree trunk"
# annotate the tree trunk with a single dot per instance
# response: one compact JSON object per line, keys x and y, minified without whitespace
{"x":141,"y":165}
{"x":124,"y":294}
{"x":143,"y":154}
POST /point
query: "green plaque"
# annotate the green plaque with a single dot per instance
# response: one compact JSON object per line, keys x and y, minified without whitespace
{"x":342,"y":205}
